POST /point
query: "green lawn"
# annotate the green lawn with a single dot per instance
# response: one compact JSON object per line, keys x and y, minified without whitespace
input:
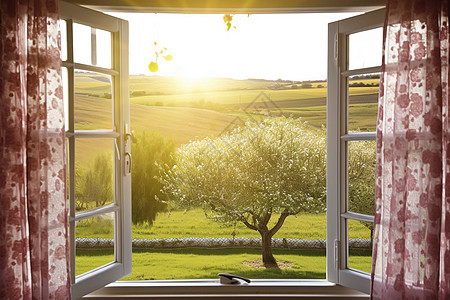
{"x":193,"y":223}
{"x":206,"y":263}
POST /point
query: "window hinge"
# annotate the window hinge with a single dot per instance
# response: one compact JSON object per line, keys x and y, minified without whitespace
{"x":336,"y":45}
{"x":337,"y":246}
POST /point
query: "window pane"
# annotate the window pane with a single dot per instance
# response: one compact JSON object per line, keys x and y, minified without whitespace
{"x":93,"y":46}
{"x":103,"y":48}
{"x":361,"y":176}
{"x":94,"y":242}
{"x":93,"y":101}
{"x":365,"y":48}
{"x":94,"y":173}
{"x":360,"y":245}
{"x":82,"y":40}
{"x":63,"y":28}
{"x":363,"y":102}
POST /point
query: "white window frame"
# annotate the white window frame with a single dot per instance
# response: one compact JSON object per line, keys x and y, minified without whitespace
{"x":338,"y":136}
{"x":337,"y":118}
{"x":121,"y":266}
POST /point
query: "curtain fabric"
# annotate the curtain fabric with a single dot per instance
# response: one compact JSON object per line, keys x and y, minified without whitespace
{"x":411,"y":257}
{"x":34,"y":252}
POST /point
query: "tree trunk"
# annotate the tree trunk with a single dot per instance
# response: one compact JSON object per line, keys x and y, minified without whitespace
{"x":268,"y":259}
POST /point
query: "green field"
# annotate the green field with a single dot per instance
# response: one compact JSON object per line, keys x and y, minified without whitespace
{"x":179,"y":264}
{"x":187,"y":110}
{"x":206,"y":263}
{"x":193,"y":223}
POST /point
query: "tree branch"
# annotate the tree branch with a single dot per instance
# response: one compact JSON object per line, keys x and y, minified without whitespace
{"x":246,"y":223}
{"x":280,"y":222}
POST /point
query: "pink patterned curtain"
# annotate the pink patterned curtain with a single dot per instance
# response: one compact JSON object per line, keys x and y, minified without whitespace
{"x":411,"y":258}
{"x":34,"y":253}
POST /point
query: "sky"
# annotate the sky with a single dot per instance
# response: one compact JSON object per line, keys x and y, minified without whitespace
{"x":263,"y":46}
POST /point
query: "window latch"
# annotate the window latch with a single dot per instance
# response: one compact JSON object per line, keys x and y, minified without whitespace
{"x":226,"y":278}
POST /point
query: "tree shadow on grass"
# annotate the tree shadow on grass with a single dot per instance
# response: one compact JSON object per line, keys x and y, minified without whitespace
{"x":360,"y":252}
{"x":95,"y":252}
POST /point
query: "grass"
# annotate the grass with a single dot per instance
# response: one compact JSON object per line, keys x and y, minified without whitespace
{"x":206,"y":263}
{"x":194,"y":224}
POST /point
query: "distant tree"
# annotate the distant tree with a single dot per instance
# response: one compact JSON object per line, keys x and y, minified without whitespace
{"x":149,"y":149}
{"x":361,"y":179}
{"x":306,"y":85}
{"x":138,"y":93}
{"x":249,"y":175}
{"x":94,"y":186}
{"x":319,"y":86}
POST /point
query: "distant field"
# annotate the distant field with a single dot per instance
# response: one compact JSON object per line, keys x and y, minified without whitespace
{"x":240,"y":97}
{"x":180,"y":123}
{"x":234,"y":98}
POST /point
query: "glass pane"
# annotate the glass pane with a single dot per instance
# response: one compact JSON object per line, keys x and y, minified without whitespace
{"x":93,"y":101}
{"x":94,"y":242}
{"x":360,"y":245}
{"x":93,"y":46}
{"x":365,"y":48}
{"x":82,"y":44}
{"x":361,"y":176}
{"x":63,"y":28}
{"x":363,"y":102}
{"x":104,"y":46}
{"x":94,"y":173}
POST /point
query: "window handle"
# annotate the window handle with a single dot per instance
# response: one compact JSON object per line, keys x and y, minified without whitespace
{"x":226,"y":278}
{"x":130,"y":135}
{"x":128,"y":163}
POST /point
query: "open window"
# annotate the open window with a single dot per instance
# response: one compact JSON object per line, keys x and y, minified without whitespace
{"x":99,"y":140}
{"x":98,"y":143}
{"x":354,"y":63}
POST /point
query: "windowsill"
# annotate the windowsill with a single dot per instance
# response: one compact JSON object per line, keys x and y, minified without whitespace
{"x":258,"y":288}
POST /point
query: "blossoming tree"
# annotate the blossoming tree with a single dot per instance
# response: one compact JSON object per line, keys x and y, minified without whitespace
{"x":252,"y":174}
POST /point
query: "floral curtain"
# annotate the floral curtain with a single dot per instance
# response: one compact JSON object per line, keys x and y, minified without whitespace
{"x":411,"y":258}
{"x":34,"y":253}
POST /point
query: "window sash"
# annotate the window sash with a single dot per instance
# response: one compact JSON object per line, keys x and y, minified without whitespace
{"x":99,"y":277}
{"x":338,"y":137}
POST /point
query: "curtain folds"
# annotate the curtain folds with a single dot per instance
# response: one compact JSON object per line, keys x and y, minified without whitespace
{"x":34,"y":251}
{"x":411,"y":257}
